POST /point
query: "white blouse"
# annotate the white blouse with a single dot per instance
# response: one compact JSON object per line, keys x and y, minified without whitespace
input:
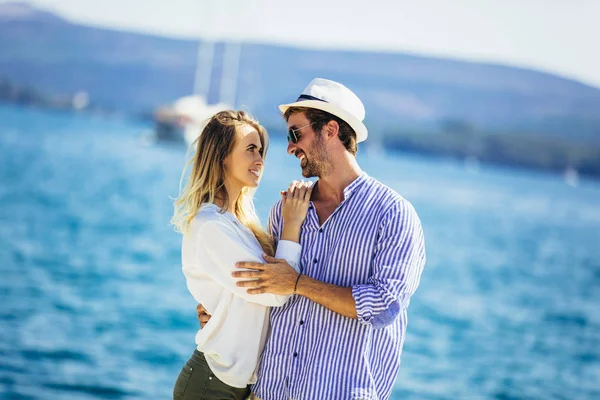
{"x":233,"y":340}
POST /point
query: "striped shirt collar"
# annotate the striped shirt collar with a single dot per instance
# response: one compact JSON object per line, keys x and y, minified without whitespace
{"x":355,"y":184}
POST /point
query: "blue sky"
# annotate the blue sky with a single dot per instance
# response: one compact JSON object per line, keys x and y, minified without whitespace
{"x":559,"y":36}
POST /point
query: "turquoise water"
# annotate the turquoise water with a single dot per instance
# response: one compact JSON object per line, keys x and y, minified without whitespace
{"x":94,"y":305}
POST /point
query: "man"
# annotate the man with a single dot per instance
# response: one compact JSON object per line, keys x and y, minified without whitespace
{"x":341,"y":335}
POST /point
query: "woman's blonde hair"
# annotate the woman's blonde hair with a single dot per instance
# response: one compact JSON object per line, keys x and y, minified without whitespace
{"x":207,"y":177}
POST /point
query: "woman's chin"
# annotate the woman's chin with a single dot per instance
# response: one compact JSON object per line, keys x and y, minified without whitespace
{"x":253,"y":183}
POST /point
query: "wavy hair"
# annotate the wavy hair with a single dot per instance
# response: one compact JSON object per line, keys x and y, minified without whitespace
{"x":207,"y":176}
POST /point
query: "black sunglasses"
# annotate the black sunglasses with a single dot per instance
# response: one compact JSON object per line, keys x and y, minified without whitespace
{"x":293,"y":136}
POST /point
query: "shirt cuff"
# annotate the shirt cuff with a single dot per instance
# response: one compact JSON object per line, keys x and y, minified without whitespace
{"x":375,"y":306}
{"x":289,"y":251}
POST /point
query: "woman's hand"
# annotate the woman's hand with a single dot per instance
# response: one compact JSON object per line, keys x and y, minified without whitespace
{"x":295,"y":204}
{"x":203,"y":315}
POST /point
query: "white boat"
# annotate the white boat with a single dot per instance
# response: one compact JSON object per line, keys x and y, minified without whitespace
{"x":185,"y":118}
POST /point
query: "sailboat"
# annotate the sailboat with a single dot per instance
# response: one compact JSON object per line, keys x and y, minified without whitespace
{"x":185,"y":118}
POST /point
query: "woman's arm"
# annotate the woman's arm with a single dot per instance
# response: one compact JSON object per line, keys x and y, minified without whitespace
{"x":218,"y":248}
{"x":294,"y":207}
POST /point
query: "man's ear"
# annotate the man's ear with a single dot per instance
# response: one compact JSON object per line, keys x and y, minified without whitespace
{"x":332,"y":129}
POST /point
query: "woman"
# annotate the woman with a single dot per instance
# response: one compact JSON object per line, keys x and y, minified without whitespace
{"x":216,"y":214}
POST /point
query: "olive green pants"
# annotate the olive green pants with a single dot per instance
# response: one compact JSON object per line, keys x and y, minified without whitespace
{"x":197,"y":382}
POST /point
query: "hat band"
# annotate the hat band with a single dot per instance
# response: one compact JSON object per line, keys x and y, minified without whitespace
{"x":309,"y":97}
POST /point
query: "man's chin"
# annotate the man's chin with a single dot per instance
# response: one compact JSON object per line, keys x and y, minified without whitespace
{"x":307,"y":173}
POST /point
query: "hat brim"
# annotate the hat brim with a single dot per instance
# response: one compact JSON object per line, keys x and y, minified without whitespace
{"x":357,"y":125}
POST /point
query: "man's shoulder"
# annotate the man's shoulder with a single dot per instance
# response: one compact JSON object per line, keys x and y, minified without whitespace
{"x":382,"y":193}
{"x":387,"y":199}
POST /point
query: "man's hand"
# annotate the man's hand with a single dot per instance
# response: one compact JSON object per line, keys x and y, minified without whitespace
{"x":275,"y":277}
{"x":203,"y":315}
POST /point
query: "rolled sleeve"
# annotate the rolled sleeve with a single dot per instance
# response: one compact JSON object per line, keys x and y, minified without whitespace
{"x":375,"y":304}
{"x":397,"y":267}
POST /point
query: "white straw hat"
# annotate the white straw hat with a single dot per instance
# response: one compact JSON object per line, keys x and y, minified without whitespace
{"x":335,"y":99}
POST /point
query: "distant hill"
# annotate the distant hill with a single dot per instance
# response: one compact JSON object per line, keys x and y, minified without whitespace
{"x":137,"y":72}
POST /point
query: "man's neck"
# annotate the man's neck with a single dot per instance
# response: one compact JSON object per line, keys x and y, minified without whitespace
{"x":330,"y":188}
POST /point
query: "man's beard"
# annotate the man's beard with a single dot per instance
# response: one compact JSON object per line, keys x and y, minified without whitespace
{"x":319,"y":163}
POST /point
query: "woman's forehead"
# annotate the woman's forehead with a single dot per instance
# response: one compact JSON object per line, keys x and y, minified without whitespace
{"x":248,"y":134}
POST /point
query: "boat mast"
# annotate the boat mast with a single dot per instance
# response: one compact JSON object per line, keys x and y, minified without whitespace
{"x":229,"y":77}
{"x":230,"y":66}
{"x":206,"y":52}
{"x":202,"y":79}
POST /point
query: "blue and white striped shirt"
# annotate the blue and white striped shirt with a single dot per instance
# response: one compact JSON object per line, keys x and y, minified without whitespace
{"x":373,"y":242}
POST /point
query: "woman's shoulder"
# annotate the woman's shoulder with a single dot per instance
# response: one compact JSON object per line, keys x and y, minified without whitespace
{"x":215,"y":227}
{"x":210,"y":214}
{"x":211,"y":217}
{"x":209,"y":211}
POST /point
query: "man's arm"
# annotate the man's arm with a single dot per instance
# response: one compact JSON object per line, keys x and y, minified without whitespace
{"x":336,"y":298}
{"x":278,"y":277}
{"x":397,"y":266}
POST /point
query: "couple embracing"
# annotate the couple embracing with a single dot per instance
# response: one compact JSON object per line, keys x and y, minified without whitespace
{"x":314,"y":307}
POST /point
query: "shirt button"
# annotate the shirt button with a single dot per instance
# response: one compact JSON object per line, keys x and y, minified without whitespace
{"x":295,"y":354}
{"x":301,"y":322}
{"x":320,"y":230}
{"x":315,"y":261}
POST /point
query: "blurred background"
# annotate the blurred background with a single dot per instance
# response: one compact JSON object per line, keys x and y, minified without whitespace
{"x":484,"y":114}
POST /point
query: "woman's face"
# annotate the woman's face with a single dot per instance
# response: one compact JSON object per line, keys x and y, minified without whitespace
{"x":244,"y":164}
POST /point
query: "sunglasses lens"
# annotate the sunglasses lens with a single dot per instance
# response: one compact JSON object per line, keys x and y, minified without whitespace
{"x":291,"y":137}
